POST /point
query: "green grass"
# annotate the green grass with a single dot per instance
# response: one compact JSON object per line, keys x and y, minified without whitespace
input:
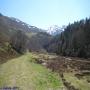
{"x":26,"y":75}
{"x":80,"y":84}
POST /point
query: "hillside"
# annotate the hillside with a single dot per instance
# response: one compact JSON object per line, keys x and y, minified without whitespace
{"x":18,"y":37}
{"x":16,"y":24}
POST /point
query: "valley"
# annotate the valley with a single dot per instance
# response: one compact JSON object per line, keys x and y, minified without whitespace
{"x":33,"y":59}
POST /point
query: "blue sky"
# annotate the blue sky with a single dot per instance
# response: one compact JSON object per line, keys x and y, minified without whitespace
{"x":45,"y":13}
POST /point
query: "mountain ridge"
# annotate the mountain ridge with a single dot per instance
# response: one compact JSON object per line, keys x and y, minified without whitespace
{"x":21,"y":36}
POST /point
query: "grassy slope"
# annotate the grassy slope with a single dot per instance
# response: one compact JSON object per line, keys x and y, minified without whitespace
{"x":26,"y":75}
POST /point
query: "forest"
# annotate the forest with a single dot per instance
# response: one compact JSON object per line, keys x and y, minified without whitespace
{"x":73,"y":41}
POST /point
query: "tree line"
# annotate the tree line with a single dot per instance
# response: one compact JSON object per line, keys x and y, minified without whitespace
{"x":73,"y":41}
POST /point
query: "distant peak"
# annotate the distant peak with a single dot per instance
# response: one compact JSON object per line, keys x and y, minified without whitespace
{"x":55,"y":29}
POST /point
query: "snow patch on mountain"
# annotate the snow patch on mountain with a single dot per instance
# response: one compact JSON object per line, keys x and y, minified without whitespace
{"x":54,"y":30}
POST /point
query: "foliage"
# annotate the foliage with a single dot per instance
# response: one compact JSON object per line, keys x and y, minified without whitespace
{"x":74,"y":40}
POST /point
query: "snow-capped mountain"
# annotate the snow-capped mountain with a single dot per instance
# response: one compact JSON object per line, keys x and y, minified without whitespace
{"x":54,"y":30}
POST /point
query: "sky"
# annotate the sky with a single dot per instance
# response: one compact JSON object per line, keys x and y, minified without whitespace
{"x":46,"y":13}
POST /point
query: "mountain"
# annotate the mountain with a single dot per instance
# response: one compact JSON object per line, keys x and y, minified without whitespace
{"x":18,"y":37}
{"x":13,"y":23}
{"x":54,"y":30}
